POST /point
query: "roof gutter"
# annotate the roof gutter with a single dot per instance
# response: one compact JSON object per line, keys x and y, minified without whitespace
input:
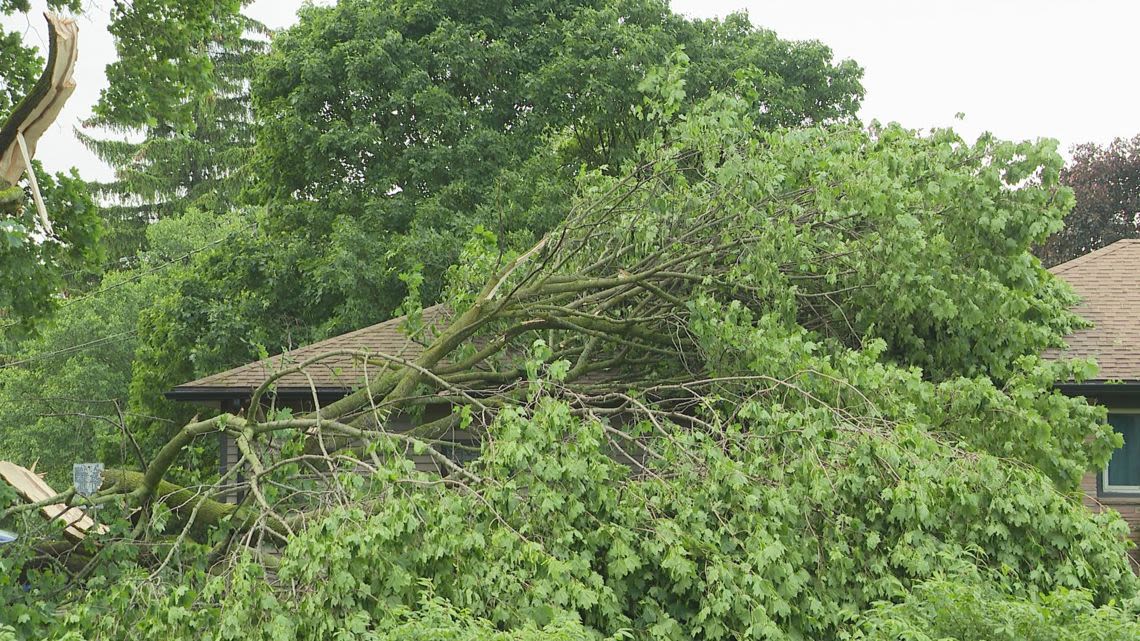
{"x":323,"y":394}
{"x":1124,"y":392}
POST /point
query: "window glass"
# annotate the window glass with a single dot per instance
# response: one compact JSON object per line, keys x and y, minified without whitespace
{"x":1124,"y":467}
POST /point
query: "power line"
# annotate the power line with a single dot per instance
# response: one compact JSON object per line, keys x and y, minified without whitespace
{"x":135,"y":277}
{"x":74,"y":349}
{"x":156,"y":268}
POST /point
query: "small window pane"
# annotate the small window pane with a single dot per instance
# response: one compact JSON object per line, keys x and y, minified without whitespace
{"x":1124,"y":467}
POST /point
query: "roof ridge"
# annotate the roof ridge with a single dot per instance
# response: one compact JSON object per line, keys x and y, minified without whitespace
{"x":1093,"y":255}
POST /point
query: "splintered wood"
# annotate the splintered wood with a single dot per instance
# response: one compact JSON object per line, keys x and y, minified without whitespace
{"x":39,"y":110}
{"x":29,"y":485}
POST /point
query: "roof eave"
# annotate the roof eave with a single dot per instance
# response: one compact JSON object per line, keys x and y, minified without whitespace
{"x":1126,"y":392}
{"x":203,"y":393}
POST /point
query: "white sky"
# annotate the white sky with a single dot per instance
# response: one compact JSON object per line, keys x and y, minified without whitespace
{"x":1019,"y":68}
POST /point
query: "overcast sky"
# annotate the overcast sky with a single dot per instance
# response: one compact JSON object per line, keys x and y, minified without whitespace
{"x":1022,"y":69}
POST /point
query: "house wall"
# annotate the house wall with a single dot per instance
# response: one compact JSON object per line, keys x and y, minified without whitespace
{"x":1127,"y":506}
{"x":229,"y":454}
{"x":1125,"y":398}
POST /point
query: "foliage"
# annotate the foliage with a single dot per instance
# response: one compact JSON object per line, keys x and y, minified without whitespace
{"x":546,"y":93}
{"x":393,"y":145}
{"x":788,"y":526}
{"x":60,"y":392}
{"x":208,"y":292}
{"x":176,"y":166}
{"x":63,"y":392}
{"x":1106,"y":183}
{"x":35,"y":268}
{"x":960,"y":607}
{"x":164,"y":62}
{"x":344,"y":117}
{"x":379,"y":155}
{"x":738,"y":368}
{"x":728,"y":397}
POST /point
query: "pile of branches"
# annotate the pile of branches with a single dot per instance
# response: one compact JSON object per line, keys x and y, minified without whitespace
{"x":838,"y":301}
{"x":611,"y":296}
{"x":610,"y":304}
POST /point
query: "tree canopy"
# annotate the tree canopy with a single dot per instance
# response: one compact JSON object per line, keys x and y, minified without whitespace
{"x":712,"y":360}
{"x":728,"y":396}
{"x":1106,"y":184}
{"x":390,"y":129}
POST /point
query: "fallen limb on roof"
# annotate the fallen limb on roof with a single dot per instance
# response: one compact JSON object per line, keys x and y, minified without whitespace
{"x":31,"y":487}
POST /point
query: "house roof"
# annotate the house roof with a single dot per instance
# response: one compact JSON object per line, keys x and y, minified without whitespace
{"x":335,"y":375}
{"x":1108,"y":282}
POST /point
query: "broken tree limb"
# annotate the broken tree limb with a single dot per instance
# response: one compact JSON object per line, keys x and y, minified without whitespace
{"x":182,"y":501}
{"x":53,"y":504}
{"x":22,"y":130}
{"x":39,"y":109}
{"x":45,"y":222}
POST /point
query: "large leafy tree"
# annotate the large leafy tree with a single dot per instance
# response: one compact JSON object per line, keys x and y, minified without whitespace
{"x":1106,"y":183}
{"x":730,"y":395}
{"x":385,"y":126}
{"x":389,"y":131}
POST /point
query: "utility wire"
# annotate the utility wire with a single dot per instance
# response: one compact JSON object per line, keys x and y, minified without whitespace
{"x":92,"y":294}
{"x":196,"y":250}
{"x":74,"y":349}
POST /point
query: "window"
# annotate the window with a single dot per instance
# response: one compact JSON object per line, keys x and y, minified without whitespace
{"x":1123,"y":472}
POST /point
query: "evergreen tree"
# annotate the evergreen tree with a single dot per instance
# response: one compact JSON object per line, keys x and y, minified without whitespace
{"x":176,"y":166}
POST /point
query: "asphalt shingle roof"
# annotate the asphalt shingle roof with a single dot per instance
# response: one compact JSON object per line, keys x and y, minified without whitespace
{"x":1108,"y":282}
{"x":337,"y":372}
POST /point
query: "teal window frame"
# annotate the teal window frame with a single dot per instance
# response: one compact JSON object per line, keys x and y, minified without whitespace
{"x":1104,"y":488}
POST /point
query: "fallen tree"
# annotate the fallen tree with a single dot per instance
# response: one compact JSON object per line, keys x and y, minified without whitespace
{"x":770,"y":385}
